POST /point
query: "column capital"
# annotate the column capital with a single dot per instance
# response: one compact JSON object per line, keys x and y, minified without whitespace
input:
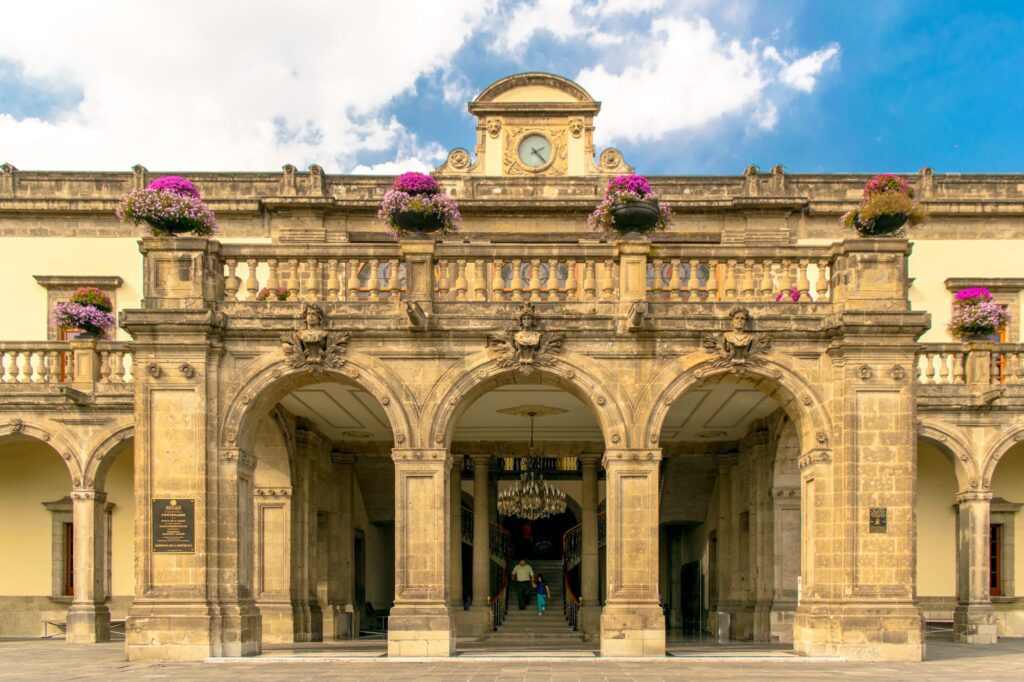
{"x":343,"y":458}
{"x":439,"y":455}
{"x":478,"y":459}
{"x":309,"y":439}
{"x":97,"y":496}
{"x":728,"y":460}
{"x":457,"y":462}
{"x":590,"y":460}
{"x":974,"y":496}
{"x":643,"y":456}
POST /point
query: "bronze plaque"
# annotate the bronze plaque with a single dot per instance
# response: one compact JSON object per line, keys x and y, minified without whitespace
{"x":879,"y":518}
{"x":174,"y":526}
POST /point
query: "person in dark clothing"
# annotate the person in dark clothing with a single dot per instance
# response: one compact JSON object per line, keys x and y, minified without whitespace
{"x":522,"y":578}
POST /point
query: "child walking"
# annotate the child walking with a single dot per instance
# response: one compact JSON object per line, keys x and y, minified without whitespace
{"x":543,"y":594}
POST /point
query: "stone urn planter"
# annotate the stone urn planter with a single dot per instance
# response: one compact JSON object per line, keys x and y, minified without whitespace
{"x":629,"y":208}
{"x":635,"y":216}
{"x":415,"y":206}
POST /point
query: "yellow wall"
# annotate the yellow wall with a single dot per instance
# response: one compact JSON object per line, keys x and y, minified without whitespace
{"x":1008,"y":483}
{"x":120,"y":492}
{"x":30,"y":473}
{"x":936,"y":524}
{"x":935,"y":260}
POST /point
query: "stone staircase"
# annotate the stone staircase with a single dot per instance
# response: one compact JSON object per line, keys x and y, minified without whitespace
{"x":526,"y":627}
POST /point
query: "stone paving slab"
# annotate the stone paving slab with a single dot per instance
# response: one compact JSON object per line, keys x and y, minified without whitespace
{"x":57,"y":660}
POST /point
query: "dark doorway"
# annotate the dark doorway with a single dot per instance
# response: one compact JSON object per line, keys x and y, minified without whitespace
{"x":541,"y":538}
{"x":691,"y":597}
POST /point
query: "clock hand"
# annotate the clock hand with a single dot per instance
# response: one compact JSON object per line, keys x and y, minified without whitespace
{"x":535,"y":151}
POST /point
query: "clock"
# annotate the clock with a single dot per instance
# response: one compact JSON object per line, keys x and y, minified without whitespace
{"x":535,"y":151}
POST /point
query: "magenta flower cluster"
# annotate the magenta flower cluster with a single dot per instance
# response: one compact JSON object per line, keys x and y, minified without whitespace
{"x":176,"y":184}
{"x":628,"y":185}
{"x":793,"y":295}
{"x":89,"y":310}
{"x":415,"y":182}
{"x":973,"y":295}
{"x":887,"y":182}
{"x":976,"y":314}
{"x":168,"y":205}
{"x":623,"y":189}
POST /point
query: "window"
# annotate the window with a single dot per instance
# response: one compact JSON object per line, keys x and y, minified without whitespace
{"x":69,"y":559}
{"x":59,"y":289}
{"x":1006,"y":291}
{"x":995,"y":556}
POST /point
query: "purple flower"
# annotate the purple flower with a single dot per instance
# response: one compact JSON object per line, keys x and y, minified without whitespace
{"x":399,"y":201}
{"x":415,"y":182}
{"x":176,"y":184}
{"x":86,"y":317}
{"x":628,"y":184}
{"x":622,"y":189}
{"x":164,"y":210}
{"x":886,"y":182}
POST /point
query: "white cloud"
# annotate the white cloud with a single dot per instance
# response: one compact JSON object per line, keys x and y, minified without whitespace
{"x":802,"y":73}
{"x":224,"y":85}
{"x":686,"y":75}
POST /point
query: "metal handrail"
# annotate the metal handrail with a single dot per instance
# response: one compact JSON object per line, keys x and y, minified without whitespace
{"x":571,"y":556}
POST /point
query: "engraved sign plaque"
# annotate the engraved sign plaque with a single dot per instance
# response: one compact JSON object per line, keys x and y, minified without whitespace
{"x":174,"y":526}
{"x":878,"y":519}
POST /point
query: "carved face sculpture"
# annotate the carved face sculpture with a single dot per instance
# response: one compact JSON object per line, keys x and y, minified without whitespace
{"x":526,"y":320}
{"x":312,"y":317}
{"x":739,"y":320}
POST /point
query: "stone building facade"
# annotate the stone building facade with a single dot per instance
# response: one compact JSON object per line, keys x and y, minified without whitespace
{"x":228,"y":472}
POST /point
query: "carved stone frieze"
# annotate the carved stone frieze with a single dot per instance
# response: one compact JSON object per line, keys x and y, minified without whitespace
{"x":526,"y":348}
{"x":314,"y":349}
{"x":737,"y":348}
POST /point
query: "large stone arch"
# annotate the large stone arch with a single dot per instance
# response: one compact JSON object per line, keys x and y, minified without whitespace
{"x":51,"y":435}
{"x":1011,"y":436}
{"x":480,"y":373}
{"x":99,"y":461}
{"x":776,"y":377}
{"x":269,"y":379}
{"x":954,"y":448}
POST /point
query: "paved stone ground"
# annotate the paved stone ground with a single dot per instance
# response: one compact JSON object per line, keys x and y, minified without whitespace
{"x":56,"y":660}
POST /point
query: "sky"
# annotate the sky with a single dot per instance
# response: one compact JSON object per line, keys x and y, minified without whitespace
{"x":688,"y":87}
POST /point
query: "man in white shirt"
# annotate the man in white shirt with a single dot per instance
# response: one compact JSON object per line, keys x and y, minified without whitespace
{"x":522,"y":578}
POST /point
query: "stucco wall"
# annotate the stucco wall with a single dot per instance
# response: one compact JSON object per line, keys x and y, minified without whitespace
{"x":936,"y":524}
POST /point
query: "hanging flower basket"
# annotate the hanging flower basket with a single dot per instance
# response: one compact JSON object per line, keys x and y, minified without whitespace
{"x":170,"y":206}
{"x":629,"y":205}
{"x":976,"y":316}
{"x":88,"y":309}
{"x":415,"y":204}
{"x":887,"y":205}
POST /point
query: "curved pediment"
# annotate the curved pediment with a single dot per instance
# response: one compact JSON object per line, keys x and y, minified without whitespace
{"x":534,"y":87}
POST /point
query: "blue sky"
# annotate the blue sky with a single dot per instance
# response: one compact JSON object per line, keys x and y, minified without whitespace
{"x":688,"y":86}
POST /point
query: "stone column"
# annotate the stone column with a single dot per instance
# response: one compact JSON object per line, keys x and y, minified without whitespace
{"x":590,"y":568}
{"x":632,"y":622}
{"x":479,"y":618}
{"x":341,"y":571}
{"x":421,"y":623}
{"x":308,"y":616}
{"x":974,"y":619}
{"x":193,"y":592}
{"x":726,"y":560}
{"x":455,"y":587}
{"x":89,"y":618}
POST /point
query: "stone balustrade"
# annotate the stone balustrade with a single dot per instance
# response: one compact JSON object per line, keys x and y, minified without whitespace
{"x":1007,"y":364}
{"x":978,"y":363}
{"x":567,"y":273}
{"x":942,"y":363}
{"x":55,"y":362}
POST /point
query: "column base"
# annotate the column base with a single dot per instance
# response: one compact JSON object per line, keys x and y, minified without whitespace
{"x":192,"y":632}
{"x":309,"y":622}
{"x":875,"y":631}
{"x":346,"y":621}
{"x":632,"y":630}
{"x":476,"y":622}
{"x":781,"y":620}
{"x":590,"y":622}
{"x":425,"y":630}
{"x":88,"y":623}
{"x":278,"y":622}
{"x":972,"y":624}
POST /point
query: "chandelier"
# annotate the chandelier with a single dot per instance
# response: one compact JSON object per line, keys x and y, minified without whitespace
{"x":531,"y":497}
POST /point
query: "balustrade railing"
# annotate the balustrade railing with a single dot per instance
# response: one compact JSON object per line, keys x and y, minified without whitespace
{"x":53,"y":362}
{"x":550,"y":464}
{"x":355,"y":272}
{"x":500,"y":549}
{"x":572,"y":556}
{"x":742,"y":274}
{"x":942,"y":363}
{"x":1006,"y":364}
{"x":584,"y":273}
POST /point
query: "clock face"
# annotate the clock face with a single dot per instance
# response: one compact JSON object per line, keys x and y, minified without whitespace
{"x":535,"y":151}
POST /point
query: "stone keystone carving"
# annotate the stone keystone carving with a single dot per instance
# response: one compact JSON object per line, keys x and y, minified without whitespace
{"x":314,"y":349}
{"x":526,"y":348}
{"x":737,"y":348}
